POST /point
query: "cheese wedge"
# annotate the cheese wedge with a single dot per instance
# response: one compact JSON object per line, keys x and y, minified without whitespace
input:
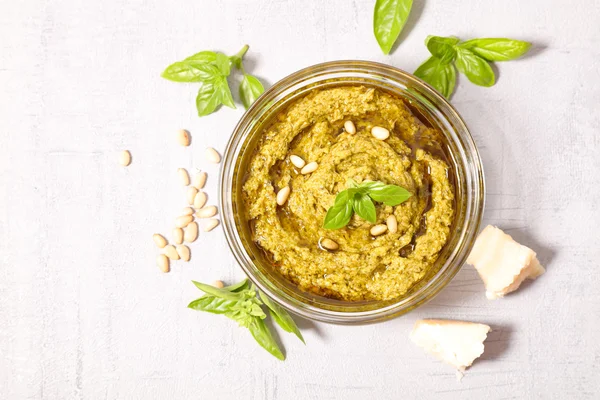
{"x":502,"y":263}
{"x":458,"y":343}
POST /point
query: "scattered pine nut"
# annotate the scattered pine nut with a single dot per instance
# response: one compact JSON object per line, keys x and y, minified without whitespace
{"x":184,"y":252}
{"x":379,"y":229}
{"x":183,"y":221}
{"x":171,"y":252}
{"x":392,"y":223}
{"x":159,"y":240}
{"x":184,"y":177}
{"x":125,"y":158}
{"x":187,"y":211}
{"x":183,"y":137}
{"x":329,"y":244}
{"x":380,"y":133}
{"x":218,"y":284}
{"x":177,"y":235}
{"x":211,"y":224}
{"x":310,"y":167}
{"x":163,"y":263}
{"x":190,"y":233}
{"x":297,"y":161}
{"x":207,"y":212}
{"x":200,"y":180}
{"x":283,"y":195}
{"x":191,"y":194}
{"x":200,"y":200}
{"x":349,"y":127}
{"x":212,"y":155}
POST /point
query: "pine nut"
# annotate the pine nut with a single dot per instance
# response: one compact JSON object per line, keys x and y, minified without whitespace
{"x":177,"y":235}
{"x":211,"y":224}
{"x":171,"y":252}
{"x":329,"y":244}
{"x":200,"y":200}
{"x":184,"y":252}
{"x":159,"y":240}
{"x":190,"y":233}
{"x":349,"y":127}
{"x":191,"y":194}
{"x":183,"y":137}
{"x":207,"y":212}
{"x":125,"y":158}
{"x":378,"y":229}
{"x":297,"y":161}
{"x":184,"y":177}
{"x":183,"y":221}
{"x":310,"y":167}
{"x":218,"y":284}
{"x":200,"y":180}
{"x":392,"y":223}
{"x":163,"y":263}
{"x":380,"y":133}
{"x":187,"y":211}
{"x":212,"y":155}
{"x":283,"y":195}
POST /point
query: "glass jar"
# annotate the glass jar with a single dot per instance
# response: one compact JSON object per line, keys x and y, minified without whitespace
{"x":463,"y":155}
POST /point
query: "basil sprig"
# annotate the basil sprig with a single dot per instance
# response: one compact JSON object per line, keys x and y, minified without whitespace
{"x":389,"y":17}
{"x":471,"y":58}
{"x":211,"y":69}
{"x":358,"y":198}
{"x":241,"y":303}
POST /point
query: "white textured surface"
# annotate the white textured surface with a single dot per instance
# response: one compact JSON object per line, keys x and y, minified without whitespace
{"x":84,"y":312}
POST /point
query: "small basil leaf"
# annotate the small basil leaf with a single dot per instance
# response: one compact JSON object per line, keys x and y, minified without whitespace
{"x":389,"y":18}
{"x":206,"y":57}
{"x":190,"y":71}
{"x":364,"y":207}
{"x":442,"y":48}
{"x":281,"y":317}
{"x":343,"y":197}
{"x":497,"y":49}
{"x":250,"y":89}
{"x":223,"y":63}
{"x":338,"y":215}
{"x":225,"y":93}
{"x":236,"y":287}
{"x":212,"y":304}
{"x":441,"y":76}
{"x":221,"y":293}
{"x":475,"y":68}
{"x":390,"y":195}
{"x":263,"y":337}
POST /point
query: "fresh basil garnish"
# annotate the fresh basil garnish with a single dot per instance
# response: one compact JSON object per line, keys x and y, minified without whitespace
{"x":389,"y":18}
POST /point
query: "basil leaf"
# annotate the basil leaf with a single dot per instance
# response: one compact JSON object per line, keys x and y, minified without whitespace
{"x":338,"y":215}
{"x":281,"y":317}
{"x":236,"y":287}
{"x":475,"y":68}
{"x":223,"y":63}
{"x":263,"y":337}
{"x":212,"y":304}
{"x":389,"y":18}
{"x":190,"y":71}
{"x":441,"y":76}
{"x":250,"y":89}
{"x":497,"y":49}
{"x":364,"y":207}
{"x":221,"y":293}
{"x":203,"y":57}
{"x":225,"y":93}
{"x":390,"y":195}
{"x":442,"y":48}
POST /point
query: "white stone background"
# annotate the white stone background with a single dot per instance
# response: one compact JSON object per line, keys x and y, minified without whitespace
{"x":85,"y":313}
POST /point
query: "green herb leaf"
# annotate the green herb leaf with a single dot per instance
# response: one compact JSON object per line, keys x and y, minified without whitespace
{"x":212,"y":304}
{"x":497,"y":49}
{"x":389,"y":18}
{"x":236,"y":287}
{"x":281,"y":317}
{"x":442,"y":47}
{"x":441,"y":76}
{"x":250,"y":89}
{"x":390,"y":195}
{"x":475,"y":68}
{"x":205,"y":57}
{"x":223,"y":63}
{"x":263,"y":336}
{"x":340,"y":213}
{"x":221,"y":293}
{"x":364,"y":207}
{"x":190,"y":71}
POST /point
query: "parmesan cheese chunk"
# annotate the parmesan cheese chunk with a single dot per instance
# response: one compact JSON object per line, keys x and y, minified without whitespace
{"x":456,"y":342}
{"x":502,"y":263}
